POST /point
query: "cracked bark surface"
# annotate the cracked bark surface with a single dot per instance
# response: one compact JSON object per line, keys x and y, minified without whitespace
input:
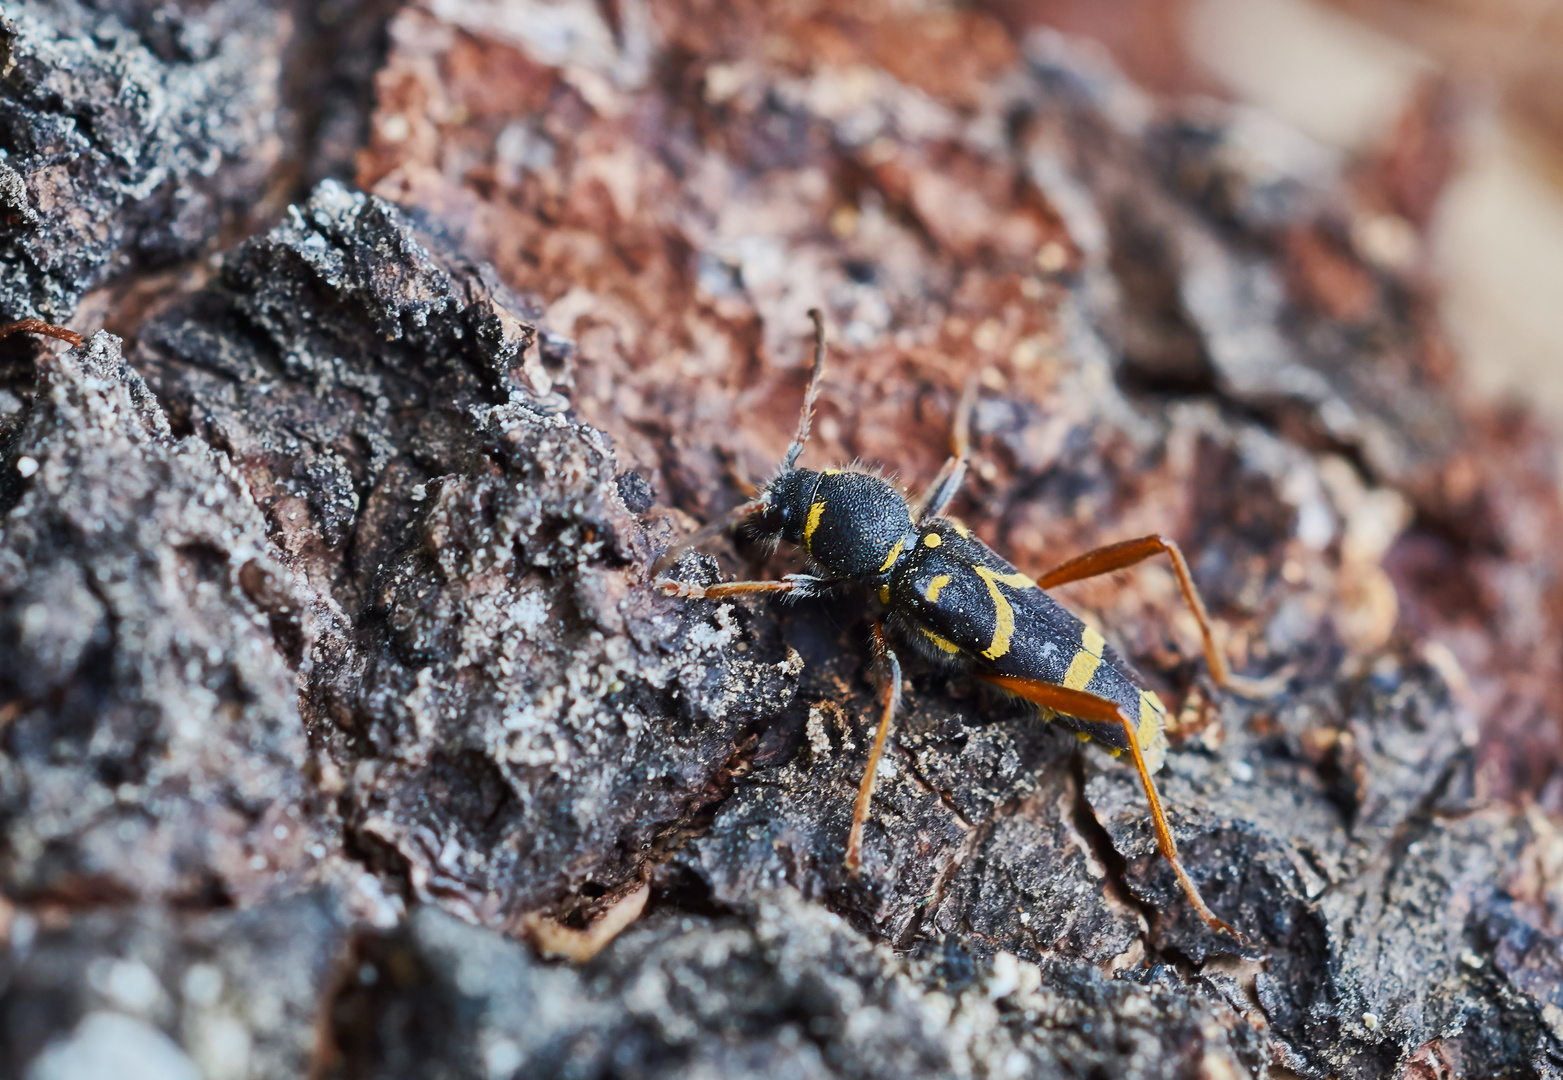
{"x":327,"y":655}
{"x":130,"y":136}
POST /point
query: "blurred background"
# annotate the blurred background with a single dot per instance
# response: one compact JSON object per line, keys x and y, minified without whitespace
{"x":1377,"y":79}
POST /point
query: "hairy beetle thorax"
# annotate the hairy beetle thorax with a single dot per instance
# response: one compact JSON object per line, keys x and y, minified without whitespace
{"x":850,"y":524}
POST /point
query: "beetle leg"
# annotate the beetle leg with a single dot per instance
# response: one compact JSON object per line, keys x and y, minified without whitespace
{"x":38,"y":326}
{"x":887,"y":671}
{"x":1120,"y":556}
{"x":793,"y":587}
{"x":1090,"y":707}
{"x":945,"y":486}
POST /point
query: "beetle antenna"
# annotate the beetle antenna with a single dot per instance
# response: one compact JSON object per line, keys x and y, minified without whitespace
{"x":709,"y":532}
{"x":795,"y":451}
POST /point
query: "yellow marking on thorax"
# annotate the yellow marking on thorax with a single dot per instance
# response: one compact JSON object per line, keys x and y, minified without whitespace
{"x":895,"y":553}
{"x":960,"y":527}
{"x":831,"y":472}
{"x":1086,"y":661}
{"x":816,"y":512}
{"x":884,"y":594}
{"x":935,"y":587}
{"x":1003,"y":614}
{"x":932,"y":539}
{"x":943,"y":643}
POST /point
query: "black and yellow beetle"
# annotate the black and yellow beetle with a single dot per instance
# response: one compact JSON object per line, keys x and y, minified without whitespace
{"x":950,"y":596}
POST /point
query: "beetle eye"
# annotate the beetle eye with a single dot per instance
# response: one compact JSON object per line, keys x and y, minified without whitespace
{"x":769,"y":521}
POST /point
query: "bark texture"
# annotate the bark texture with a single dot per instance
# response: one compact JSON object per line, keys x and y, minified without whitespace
{"x":328,"y":665}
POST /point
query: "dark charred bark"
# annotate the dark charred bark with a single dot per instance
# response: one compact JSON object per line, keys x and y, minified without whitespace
{"x":328,"y":661}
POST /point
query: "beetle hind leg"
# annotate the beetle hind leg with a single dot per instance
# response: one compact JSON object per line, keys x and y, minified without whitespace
{"x":1090,"y":707}
{"x":1126,"y":553}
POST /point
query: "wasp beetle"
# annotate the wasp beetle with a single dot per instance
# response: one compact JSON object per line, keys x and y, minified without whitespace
{"x":946,"y":594}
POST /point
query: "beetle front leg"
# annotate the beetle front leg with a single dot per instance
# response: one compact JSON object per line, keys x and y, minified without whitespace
{"x":793,"y":587}
{"x":38,"y":326}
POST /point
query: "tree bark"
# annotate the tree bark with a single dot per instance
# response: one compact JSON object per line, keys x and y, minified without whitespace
{"x":329,"y":667}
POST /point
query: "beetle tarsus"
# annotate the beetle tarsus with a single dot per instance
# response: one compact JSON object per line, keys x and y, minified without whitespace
{"x":38,"y":326}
